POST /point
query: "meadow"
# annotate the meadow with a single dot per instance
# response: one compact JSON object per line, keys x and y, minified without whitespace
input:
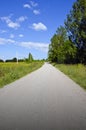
{"x":75,"y":72}
{"x":10,"y":72}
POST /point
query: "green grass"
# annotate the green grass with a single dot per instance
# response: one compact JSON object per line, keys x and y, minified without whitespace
{"x":75,"y":72}
{"x":10,"y":72}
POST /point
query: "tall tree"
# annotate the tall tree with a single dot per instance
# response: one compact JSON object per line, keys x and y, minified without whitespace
{"x":76,"y":27}
{"x":30,"y":57}
{"x":61,"y":50}
{"x":55,"y":48}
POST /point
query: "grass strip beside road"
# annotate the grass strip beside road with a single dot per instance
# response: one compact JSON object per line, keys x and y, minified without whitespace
{"x":10,"y":72}
{"x":75,"y":72}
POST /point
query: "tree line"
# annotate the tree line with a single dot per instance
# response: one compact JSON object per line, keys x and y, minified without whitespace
{"x":29,"y":59}
{"x":68,"y":44}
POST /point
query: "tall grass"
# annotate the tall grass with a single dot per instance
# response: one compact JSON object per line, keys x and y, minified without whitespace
{"x":9,"y":72}
{"x":75,"y":72}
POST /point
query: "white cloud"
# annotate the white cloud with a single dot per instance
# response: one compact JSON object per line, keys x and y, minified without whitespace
{"x":10,"y":41}
{"x":27,"y":6}
{"x":21,"y":35}
{"x":30,"y":5}
{"x":33,"y":4}
{"x":36,"y":12}
{"x":12,"y":36}
{"x":39,"y":26}
{"x":35,"y":45}
{"x":6,"y":41}
{"x":21,"y":19}
{"x":11,"y":24}
{"x":6,"y":19}
{"x":3,"y":31}
{"x":2,"y":41}
{"x":30,"y":45}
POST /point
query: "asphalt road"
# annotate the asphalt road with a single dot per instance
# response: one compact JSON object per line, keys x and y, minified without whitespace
{"x":43,"y":100}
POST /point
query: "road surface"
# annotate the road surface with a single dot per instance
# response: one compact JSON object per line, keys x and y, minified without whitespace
{"x":43,"y":100}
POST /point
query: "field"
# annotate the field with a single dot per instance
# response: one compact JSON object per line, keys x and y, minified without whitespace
{"x":75,"y":72}
{"x":9,"y":72}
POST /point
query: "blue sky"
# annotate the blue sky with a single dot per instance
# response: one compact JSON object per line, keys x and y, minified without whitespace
{"x":28,"y":25}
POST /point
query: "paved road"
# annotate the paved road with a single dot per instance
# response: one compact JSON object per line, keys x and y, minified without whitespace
{"x":43,"y":100}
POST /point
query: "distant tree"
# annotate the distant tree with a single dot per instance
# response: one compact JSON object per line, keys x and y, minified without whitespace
{"x":8,"y":60}
{"x":76,"y":28}
{"x":30,"y":57}
{"x":14,"y":59}
{"x":21,"y":60}
{"x":1,"y":60}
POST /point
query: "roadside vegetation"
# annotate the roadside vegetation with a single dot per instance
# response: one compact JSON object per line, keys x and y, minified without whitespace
{"x":68,"y":45}
{"x":75,"y":72}
{"x":12,"y":71}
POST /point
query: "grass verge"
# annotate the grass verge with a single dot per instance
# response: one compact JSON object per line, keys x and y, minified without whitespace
{"x":10,"y":72}
{"x":75,"y":72}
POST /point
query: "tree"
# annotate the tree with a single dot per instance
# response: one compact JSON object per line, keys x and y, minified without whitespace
{"x":1,"y":60}
{"x":76,"y":28}
{"x":30,"y":57}
{"x":14,"y":59}
{"x":69,"y":50}
{"x":61,"y":50}
{"x":55,"y":48}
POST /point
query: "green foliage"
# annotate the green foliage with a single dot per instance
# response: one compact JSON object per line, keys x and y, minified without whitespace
{"x":76,"y":27}
{"x":9,"y":72}
{"x":68,"y":45}
{"x":75,"y":72}
{"x":69,"y":52}
{"x":30,"y":57}
{"x":1,"y":60}
{"x":12,"y":60}
{"x":61,"y":50}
